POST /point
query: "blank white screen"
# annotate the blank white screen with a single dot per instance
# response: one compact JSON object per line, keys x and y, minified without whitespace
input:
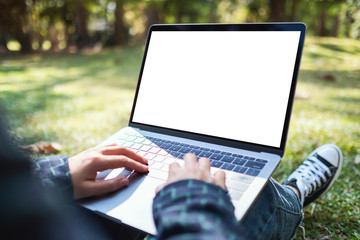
{"x":233,"y":85}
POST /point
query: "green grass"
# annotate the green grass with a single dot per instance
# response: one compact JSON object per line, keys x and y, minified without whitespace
{"x":79,"y":100}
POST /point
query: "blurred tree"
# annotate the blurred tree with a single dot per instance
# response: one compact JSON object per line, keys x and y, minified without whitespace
{"x":13,"y":19}
{"x":120,"y":32}
{"x":277,"y":11}
{"x":81,"y":29}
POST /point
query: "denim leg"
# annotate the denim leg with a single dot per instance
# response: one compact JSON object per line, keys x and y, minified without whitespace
{"x":276,"y":214}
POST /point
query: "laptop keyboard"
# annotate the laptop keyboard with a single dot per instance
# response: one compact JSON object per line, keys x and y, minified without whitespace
{"x":161,"y":153}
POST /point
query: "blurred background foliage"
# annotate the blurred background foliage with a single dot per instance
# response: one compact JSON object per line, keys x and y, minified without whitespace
{"x":71,"y":25}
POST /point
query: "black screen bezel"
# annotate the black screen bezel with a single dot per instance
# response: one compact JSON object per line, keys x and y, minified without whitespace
{"x":227,"y":27}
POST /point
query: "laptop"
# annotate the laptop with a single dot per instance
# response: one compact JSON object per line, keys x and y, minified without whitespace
{"x":221,"y":91}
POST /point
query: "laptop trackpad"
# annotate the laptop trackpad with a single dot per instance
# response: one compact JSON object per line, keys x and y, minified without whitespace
{"x":136,"y":200}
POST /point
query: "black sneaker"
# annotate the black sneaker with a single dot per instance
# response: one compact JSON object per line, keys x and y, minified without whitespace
{"x":317,"y":173}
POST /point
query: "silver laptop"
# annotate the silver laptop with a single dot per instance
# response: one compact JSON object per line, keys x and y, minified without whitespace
{"x":221,"y":91}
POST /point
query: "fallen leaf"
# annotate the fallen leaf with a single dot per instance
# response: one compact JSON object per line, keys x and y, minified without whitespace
{"x":43,"y":147}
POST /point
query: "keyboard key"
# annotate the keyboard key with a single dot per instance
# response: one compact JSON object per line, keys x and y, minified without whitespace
{"x":158,"y":174}
{"x":150,"y":156}
{"x":214,"y":151}
{"x":122,"y":137}
{"x":240,"y":169}
{"x":130,"y":138}
{"x":236,"y":195}
{"x":156,"y":165}
{"x":228,"y":159}
{"x":261,"y":160}
{"x":165,"y":146}
{"x":146,"y":142}
{"x":237,"y":155}
{"x":145,"y":148}
{"x":216,"y":156}
{"x":175,"y":143}
{"x":194,"y":147}
{"x":205,"y":154}
{"x":249,"y":158}
{"x":236,"y":185}
{"x":169,"y":160}
{"x":239,"y":161}
{"x":228,"y":166}
{"x":127,"y":144}
{"x":226,"y":153}
{"x":119,"y":142}
{"x":185,"y":150}
{"x":165,"y":141}
{"x":141,"y":153}
{"x":136,"y":146}
{"x":163,"y":152}
{"x":184,"y":145}
{"x":242,"y":178}
{"x":174,"y":154}
{"x":252,"y":172}
{"x":159,"y":144}
{"x":139,"y":140}
{"x":215,"y":163}
{"x":154,"y":150}
{"x":196,"y":152}
{"x":174,"y":148}
{"x":255,"y":165}
{"x":181,"y":156}
{"x":165,"y":168}
{"x":204,"y":149}
{"x":159,"y":158}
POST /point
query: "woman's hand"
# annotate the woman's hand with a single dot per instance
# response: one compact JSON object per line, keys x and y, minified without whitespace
{"x":85,"y":165}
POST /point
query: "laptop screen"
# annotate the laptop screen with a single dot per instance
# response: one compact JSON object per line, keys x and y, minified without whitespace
{"x":228,"y":84}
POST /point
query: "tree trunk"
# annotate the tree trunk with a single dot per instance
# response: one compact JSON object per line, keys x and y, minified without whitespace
{"x":276,"y":11}
{"x":336,"y":26}
{"x":152,"y":14}
{"x":294,"y":6}
{"x":3,"y":42}
{"x":213,"y":18}
{"x":81,"y":30}
{"x":322,"y":17}
{"x":119,"y":37}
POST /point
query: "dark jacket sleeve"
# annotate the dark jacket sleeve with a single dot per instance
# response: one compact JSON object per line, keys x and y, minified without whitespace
{"x":54,"y":173}
{"x":192,"y":209}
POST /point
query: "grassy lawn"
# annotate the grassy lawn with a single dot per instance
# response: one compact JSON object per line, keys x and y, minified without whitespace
{"x":79,"y":100}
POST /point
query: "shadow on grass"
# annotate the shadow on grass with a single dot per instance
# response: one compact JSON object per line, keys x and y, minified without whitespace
{"x":339,"y":49}
{"x":339,"y":79}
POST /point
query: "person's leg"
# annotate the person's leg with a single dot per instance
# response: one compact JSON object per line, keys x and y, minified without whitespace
{"x":277,"y":212}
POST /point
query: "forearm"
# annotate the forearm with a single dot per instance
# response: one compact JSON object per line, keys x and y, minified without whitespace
{"x":54,"y":174}
{"x":193,"y":209}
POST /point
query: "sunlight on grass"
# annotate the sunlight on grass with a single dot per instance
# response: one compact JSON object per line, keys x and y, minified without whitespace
{"x":80,"y":100}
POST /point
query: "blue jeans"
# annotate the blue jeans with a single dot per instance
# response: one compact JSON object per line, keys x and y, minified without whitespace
{"x":276,"y":214}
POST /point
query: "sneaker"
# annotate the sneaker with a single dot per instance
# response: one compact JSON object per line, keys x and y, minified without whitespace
{"x":317,"y":173}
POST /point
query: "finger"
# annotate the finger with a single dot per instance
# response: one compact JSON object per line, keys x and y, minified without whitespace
{"x":219,"y":179}
{"x":119,"y":150}
{"x":190,"y":160}
{"x":111,"y":162}
{"x":101,"y":187}
{"x":204,"y":163}
{"x":173,"y":169}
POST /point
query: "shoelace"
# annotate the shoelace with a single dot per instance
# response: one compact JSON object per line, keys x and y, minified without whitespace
{"x":312,"y":170}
